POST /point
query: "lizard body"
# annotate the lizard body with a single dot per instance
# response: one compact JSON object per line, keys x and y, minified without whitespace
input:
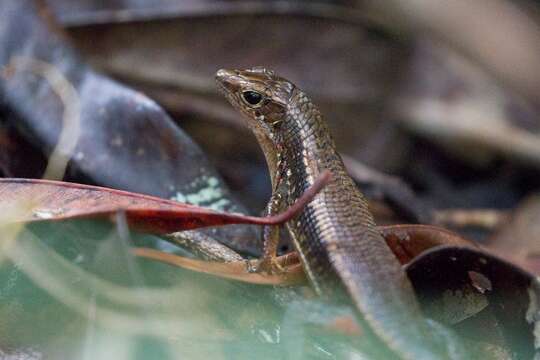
{"x":335,"y":234}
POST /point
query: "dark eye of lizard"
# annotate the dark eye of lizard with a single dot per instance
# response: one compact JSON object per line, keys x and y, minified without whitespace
{"x":252,"y":97}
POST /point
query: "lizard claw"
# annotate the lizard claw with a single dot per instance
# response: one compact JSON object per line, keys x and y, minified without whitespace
{"x":268,"y":266}
{"x":250,"y":267}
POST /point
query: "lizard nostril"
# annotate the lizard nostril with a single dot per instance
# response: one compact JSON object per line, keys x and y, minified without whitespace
{"x":222,"y":74}
{"x":228,"y":80}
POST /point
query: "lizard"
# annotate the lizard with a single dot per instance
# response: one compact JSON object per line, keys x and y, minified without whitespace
{"x":335,"y":235}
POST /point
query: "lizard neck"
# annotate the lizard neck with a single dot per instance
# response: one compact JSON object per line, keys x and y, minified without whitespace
{"x":305,"y":140}
{"x":271,"y":153}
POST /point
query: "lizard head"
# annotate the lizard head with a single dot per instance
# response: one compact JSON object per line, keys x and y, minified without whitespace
{"x":259,"y":94}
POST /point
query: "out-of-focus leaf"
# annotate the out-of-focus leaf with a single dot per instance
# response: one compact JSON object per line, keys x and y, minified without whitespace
{"x":475,"y":29}
{"x":84,"y":12}
{"x":127,"y":141}
{"x":519,"y":239}
{"x":73,"y":291}
{"x":449,"y":99}
{"x":27,"y":200}
{"x":490,"y":300}
{"x":188,"y":64}
{"x":21,"y":354}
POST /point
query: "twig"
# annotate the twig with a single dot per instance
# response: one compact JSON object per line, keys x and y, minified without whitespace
{"x":483,"y":218}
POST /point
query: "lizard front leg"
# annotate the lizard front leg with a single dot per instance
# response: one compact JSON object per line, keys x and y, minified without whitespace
{"x":268,"y":263}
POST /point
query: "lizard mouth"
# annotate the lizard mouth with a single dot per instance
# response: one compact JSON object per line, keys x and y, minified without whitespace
{"x":222,"y":90}
{"x":220,"y":85}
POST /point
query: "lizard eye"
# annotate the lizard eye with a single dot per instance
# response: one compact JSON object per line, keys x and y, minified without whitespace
{"x":252,"y":97}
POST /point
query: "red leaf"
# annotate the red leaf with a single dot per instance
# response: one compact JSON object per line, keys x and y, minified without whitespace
{"x":42,"y":200}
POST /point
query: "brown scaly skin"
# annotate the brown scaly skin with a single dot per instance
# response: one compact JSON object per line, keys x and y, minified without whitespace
{"x":335,"y":234}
